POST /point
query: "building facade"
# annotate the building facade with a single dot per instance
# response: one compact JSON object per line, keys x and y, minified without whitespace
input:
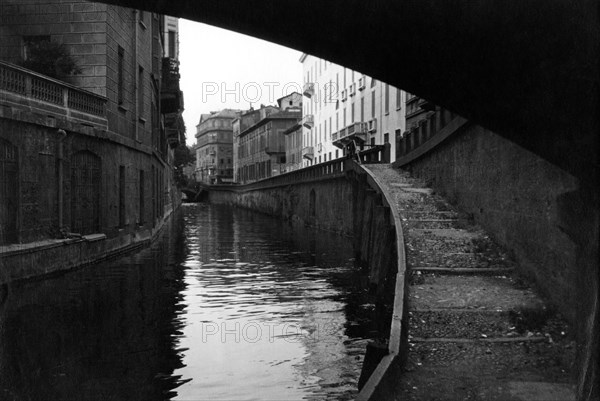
{"x":343,"y":106}
{"x":86,"y":152}
{"x":261,"y":141}
{"x":214,"y":147}
{"x":293,"y":147}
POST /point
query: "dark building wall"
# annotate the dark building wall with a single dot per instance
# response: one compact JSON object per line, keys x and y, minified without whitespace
{"x":518,"y":197}
{"x":92,"y":33}
{"x":79,"y":25}
{"x":38,"y":151}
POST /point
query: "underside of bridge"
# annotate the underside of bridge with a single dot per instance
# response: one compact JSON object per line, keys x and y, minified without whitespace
{"x":527,"y":70}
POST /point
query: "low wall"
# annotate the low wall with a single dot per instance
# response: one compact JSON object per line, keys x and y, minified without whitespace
{"x":38,"y":259}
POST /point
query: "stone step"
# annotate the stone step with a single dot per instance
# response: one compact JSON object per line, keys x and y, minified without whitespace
{"x":425,"y":224}
{"x":493,"y":271}
{"x":431,"y":214}
{"x":486,"y":371}
{"x":497,"y":293}
{"x":424,"y":258}
{"x":460,"y":324}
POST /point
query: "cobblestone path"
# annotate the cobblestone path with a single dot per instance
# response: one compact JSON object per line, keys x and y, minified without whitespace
{"x":477,"y":331}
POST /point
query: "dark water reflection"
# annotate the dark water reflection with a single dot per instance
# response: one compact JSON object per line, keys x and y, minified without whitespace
{"x":228,"y":305}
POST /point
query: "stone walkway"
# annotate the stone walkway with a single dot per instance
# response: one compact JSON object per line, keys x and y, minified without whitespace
{"x":476,"y":330}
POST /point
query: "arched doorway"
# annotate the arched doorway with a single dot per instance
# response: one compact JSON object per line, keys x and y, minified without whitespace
{"x":85,"y":192}
{"x":9,"y":193}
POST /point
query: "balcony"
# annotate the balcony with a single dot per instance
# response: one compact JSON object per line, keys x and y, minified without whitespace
{"x":354,"y":132}
{"x":344,"y":95}
{"x":174,"y":129}
{"x":24,"y":89}
{"x":308,"y":121}
{"x":171,"y":96}
{"x":309,"y":89}
{"x":308,"y":152}
{"x":362,"y":83}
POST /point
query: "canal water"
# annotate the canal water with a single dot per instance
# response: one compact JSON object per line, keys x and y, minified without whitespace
{"x":227,"y":305}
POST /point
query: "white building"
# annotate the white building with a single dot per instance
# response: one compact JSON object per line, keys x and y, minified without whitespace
{"x":337,"y":98}
{"x":171,"y":35}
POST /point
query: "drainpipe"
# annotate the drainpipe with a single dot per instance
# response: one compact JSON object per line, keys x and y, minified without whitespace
{"x":62,"y":135}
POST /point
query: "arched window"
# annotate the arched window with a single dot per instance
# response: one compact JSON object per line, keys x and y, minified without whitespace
{"x":9,"y":193}
{"x":85,"y":192}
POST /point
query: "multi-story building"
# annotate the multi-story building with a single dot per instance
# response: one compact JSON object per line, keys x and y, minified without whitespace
{"x":246,"y":120}
{"x":85,"y":149}
{"x":345,"y":106}
{"x":293,"y":146}
{"x":417,"y":109}
{"x":260,"y":139}
{"x":214,"y":147}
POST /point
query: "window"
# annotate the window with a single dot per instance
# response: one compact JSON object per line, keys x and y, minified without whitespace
{"x":120,"y":73}
{"x":373,"y":104}
{"x":121,"y":196}
{"x":373,"y":141}
{"x":362,"y":109}
{"x":141,"y":92}
{"x":387,"y":99}
{"x":31,"y":41}
{"x":398,"y":99}
{"x":373,"y":82}
{"x":352,"y":114}
{"x":172,"y":38}
{"x":141,"y":199}
{"x":386,"y":138}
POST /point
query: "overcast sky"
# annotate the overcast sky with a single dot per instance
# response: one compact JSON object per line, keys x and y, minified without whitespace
{"x":223,"y":69}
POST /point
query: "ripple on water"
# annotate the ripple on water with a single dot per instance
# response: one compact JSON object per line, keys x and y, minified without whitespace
{"x":266,"y":311}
